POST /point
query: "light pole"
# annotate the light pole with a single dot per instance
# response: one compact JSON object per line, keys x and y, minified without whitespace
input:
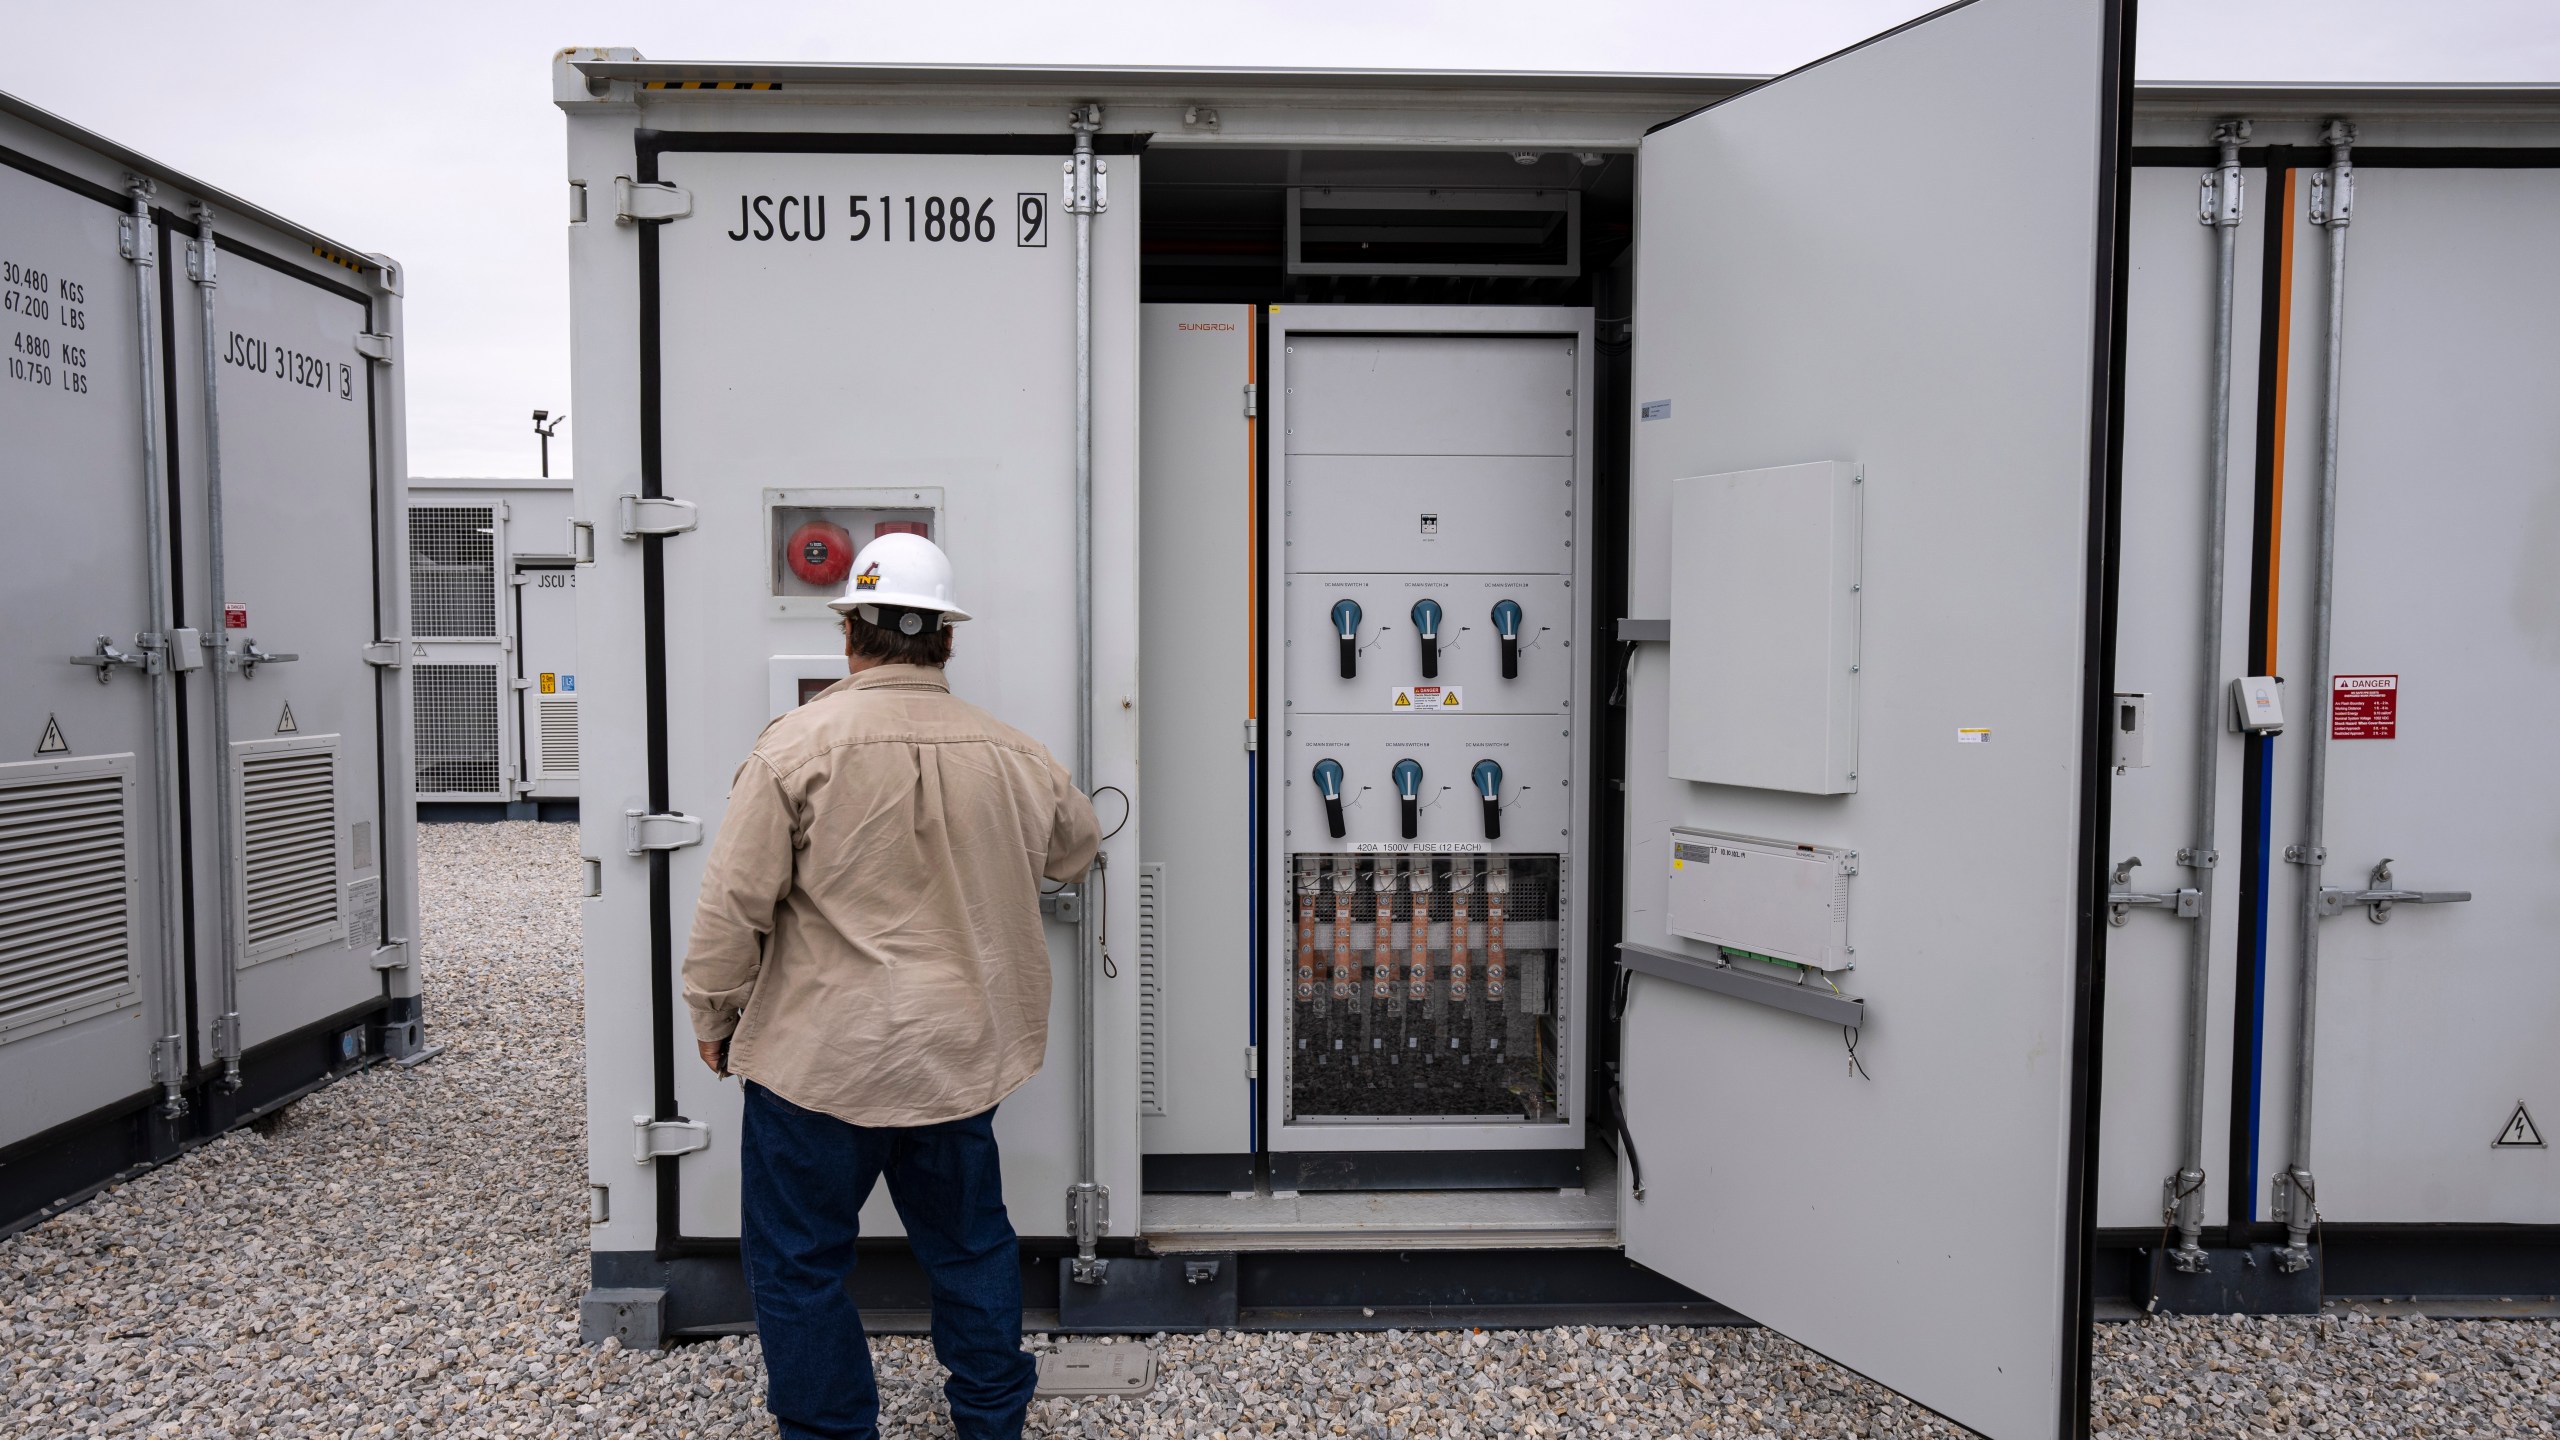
{"x":543,"y":430}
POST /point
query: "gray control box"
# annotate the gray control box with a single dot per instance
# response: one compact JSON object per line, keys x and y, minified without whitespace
{"x":1773,"y":899}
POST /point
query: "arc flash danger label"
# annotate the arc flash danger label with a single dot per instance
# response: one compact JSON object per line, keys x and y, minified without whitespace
{"x":2364,"y":707}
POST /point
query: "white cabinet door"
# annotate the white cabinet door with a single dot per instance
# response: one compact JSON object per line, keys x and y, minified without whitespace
{"x":1903,"y":258}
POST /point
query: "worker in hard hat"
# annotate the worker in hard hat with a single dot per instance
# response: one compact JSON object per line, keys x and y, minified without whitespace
{"x":867,"y":957}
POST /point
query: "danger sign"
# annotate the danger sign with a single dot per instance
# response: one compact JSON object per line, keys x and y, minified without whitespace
{"x":2364,"y":707}
{"x":1423,"y":699}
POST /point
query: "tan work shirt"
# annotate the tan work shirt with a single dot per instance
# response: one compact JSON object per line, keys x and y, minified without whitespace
{"x":869,"y":934}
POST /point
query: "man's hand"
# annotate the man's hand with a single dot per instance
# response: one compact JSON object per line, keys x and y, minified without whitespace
{"x":715,"y":1053}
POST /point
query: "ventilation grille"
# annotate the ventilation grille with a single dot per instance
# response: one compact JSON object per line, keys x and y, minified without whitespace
{"x":1434,"y":232}
{"x":559,"y":721}
{"x":288,"y":851}
{"x":66,"y":896}
{"x":457,"y":729}
{"x":1150,"y":990}
{"x":453,"y":576}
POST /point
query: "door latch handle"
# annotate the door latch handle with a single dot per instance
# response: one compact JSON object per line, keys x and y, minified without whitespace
{"x":2380,"y":895}
{"x":251,"y":657}
{"x":2186,"y":904}
{"x":107,"y":657}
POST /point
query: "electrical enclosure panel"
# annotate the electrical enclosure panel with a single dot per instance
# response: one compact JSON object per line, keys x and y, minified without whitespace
{"x":1771,"y":898}
{"x":1764,"y":628}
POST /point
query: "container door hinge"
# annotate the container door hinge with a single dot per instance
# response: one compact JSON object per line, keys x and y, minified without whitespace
{"x":374,"y":347}
{"x":656,"y":515}
{"x":1253,"y":1062}
{"x":394,"y":956}
{"x":665,"y":1139}
{"x":649,"y":200}
{"x":383,"y":654}
{"x":1064,"y":905}
{"x":1253,"y":735}
{"x":646,"y":832}
{"x":1252,"y":401}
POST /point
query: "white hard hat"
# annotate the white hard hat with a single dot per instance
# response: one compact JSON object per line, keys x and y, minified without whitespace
{"x":901,"y":570}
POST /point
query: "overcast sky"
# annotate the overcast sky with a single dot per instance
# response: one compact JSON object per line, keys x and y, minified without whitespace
{"x":427,"y":131}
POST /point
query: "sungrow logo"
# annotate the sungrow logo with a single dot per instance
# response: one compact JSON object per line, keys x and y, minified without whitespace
{"x":1204,"y":325}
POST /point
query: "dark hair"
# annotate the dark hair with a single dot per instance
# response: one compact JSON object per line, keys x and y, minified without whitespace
{"x":930,"y":645}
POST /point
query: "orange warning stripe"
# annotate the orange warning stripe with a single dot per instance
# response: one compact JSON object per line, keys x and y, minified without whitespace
{"x":2284,"y":377}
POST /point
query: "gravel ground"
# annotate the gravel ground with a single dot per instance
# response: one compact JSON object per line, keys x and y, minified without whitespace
{"x":403,"y":1256}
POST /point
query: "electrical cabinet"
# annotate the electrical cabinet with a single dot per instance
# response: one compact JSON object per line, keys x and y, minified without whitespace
{"x":494,"y":643}
{"x":1429,"y":468}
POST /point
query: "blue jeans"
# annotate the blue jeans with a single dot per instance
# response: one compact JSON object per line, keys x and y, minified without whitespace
{"x":805,"y":1178}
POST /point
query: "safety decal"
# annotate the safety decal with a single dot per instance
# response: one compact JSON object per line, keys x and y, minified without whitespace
{"x":51,"y":742}
{"x":1427,"y":699}
{"x":1974,"y":735}
{"x":550,"y":682}
{"x":2519,"y":1134}
{"x":568,"y":684}
{"x":235,"y":617}
{"x":2364,"y":707}
{"x":285,"y":723}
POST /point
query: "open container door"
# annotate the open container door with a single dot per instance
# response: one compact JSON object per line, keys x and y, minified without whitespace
{"x":1903,"y":261}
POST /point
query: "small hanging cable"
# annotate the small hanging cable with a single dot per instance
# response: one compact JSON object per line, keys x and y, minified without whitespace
{"x":1125,"y":808}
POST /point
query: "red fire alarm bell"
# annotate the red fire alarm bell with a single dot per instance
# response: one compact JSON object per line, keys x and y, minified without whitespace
{"x":820,"y":552}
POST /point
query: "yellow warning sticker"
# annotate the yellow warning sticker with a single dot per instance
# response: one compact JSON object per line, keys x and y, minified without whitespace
{"x":1434,"y":699}
{"x":550,"y":682}
{"x":1403,"y":699}
{"x":1974,"y":735}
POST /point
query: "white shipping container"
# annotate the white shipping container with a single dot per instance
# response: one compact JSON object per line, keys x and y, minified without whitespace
{"x":494,"y":647}
{"x":207,"y":898}
{"x":1372,"y":355}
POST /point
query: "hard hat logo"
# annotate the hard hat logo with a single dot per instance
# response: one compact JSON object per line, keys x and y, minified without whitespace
{"x":899,"y":571}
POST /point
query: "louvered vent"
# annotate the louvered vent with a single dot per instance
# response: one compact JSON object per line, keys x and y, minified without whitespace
{"x":453,"y":577}
{"x":67,"y":895}
{"x":559,"y":721}
{"x":457,"y":729}
{"x":1150,"y":990}
{"x":289,"y":851}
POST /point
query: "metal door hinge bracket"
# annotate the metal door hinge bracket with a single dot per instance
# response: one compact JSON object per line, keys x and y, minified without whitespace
{"x":645,"y":832}
{"x":1253,"y":735}
{"x":383,"y":654}
{"x":393,"y":956}
{"x":2305,"y":855}
{"x":664,"y":1139}
{"x":1064,"y":905}
{"x":649,"y":200}
{"x":2380,"y":895}
{"x":1253,"y":1062}
{"x":2195,"y":859}
{"x":656,"y":515}
{"x":374,"y":347}
{"x":1252,"y":402}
